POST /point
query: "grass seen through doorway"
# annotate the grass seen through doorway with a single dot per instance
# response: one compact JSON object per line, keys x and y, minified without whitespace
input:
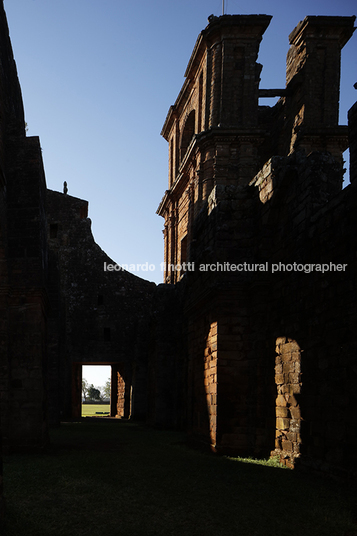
{"x":95,"y":410}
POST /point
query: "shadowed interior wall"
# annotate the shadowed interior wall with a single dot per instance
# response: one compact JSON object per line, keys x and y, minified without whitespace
{"x":101,"y":315}
{"x":259,"y":188}
{"x":255,"y":360}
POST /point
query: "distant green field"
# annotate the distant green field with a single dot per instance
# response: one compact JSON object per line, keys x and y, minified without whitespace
{"x":95,"y":410}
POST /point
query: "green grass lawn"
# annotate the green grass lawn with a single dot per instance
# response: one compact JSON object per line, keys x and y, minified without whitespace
{"x":111,"y":478}
{"x":93,"y":410}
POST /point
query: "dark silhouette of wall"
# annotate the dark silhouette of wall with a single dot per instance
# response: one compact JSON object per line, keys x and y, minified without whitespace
{"x":270,"y":345}
{"x":23,"y":266}
{"x":99,"y":315}
{"x":256,"y":360}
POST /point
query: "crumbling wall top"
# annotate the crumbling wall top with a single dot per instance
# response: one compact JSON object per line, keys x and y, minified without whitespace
{"x":323,"y":27}
{"x":244,"y":26}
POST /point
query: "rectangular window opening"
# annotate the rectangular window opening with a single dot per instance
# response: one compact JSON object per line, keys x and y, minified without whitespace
{"x":107,"y":334}
{"x":96,"y":390}
{"x":53,"y":230}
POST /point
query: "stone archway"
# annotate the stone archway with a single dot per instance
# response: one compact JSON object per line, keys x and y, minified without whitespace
{"x":187,"y":133}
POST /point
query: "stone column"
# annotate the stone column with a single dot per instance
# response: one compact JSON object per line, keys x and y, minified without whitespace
{"x":215,"y":97}
{"x":234,"y":71}
{"x":314,"y":58}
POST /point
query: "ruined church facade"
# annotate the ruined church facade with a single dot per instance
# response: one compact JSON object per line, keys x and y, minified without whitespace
{"x":259,"y":236}
{"x":248,"y":360}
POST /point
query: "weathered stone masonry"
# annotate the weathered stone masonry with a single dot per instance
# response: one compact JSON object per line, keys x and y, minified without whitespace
{"x":247,"y":361}
{"x":59,"y":308}
{"x":97,"y":316}
{"x":269,"y":354}
{"x":23,"y":266}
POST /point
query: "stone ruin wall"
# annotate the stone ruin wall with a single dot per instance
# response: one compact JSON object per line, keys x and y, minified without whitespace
{"x":23,"y":266}
{"x":288,"y":412}
{"x":293,"y":211}
{"x":315,"y":312}
{"x":281,"y":357}
{"x":208,"y":344}
{"x":101,"y":317}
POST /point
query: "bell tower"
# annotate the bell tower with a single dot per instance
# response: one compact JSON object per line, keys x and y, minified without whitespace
{"x":212,"y":128}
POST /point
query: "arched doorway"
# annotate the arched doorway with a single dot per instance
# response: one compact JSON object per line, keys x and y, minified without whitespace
{"x":187,"y":134}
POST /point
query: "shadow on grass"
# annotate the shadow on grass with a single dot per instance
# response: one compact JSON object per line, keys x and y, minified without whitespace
{"x":107,"y":478}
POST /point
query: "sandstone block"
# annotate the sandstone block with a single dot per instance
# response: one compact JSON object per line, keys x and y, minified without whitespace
{"x":289,"y":367}
{"x":279,"y":342}
{"x":286,"y":356}
{"x":282,"y":424}
{"x":292,"y":346}
{"x":287,"y":445}
{"x":292,"y":401}
{"x":294,"y":377}
{"x":296,"y":449}
{"x":279,"y":379}
{"x":280,"y":401}
{"x":294,"y":425}
{"x":295,"y":413}
{"x":281,"y":412}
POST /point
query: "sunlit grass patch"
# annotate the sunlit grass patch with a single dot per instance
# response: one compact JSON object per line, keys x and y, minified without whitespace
{"x":95,"y":410}
{"x":269,"y":462}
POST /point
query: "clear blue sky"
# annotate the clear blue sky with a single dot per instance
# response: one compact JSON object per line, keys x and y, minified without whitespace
{"x":98,"y":77}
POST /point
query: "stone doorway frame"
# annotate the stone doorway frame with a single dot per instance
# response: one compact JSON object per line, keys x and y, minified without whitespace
{"x":120,"y":398}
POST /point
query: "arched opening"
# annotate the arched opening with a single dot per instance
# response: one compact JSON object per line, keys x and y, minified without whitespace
{"x":187,"y":134}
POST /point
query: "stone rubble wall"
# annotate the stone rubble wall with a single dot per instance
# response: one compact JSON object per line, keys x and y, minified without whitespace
{"x":303,"y":393}
{"x":262,"y":186}
{"x":312,"y":314}
{"x":249,"y":362}
{"x":101,"y":317}
{"x":288,"y":413}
